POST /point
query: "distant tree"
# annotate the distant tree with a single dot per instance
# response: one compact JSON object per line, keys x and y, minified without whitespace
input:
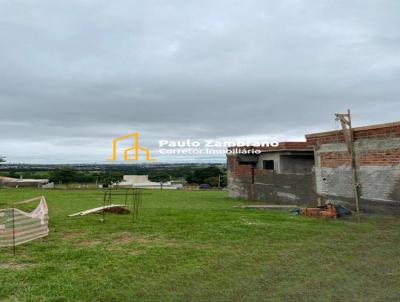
{"x":63,"y":175}
{"x":224,"y":180}
{"x":2,"y":160}
{"x":13,"y":174}
{"x":199,"y":176}
{"x":212,"y":181}
{"x":110,"y":177}
{"x":216,"y":181}
{"x":160,"y":177}
{"x":85,"y":177}
{"x":27,"y":175}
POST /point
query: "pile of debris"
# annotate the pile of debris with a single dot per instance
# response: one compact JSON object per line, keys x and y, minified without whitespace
{"x":112,"y":208}
{"x":327,"y":211}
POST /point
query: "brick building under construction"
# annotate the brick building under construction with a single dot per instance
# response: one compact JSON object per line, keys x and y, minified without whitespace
{"x":320,"y":170}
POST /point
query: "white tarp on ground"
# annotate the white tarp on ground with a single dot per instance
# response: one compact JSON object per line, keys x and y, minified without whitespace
{"x":18,"y":227}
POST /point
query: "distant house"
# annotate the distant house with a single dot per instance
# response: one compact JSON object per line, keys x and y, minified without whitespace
{"x":142,"y":181}
{"x":320,"y":168}
{"x":15,"y":182}
{"x":4,"y":179}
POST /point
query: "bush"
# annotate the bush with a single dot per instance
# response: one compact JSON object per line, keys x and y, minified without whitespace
{"x":63,"y":175}
{"x":159,"y":177}
{"x":204,"y":175}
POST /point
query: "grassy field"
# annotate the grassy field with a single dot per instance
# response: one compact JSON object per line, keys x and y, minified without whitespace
{"x":194,"y":246}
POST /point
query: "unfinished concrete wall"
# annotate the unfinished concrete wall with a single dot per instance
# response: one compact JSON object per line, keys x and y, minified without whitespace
{"x":285,"y":188}
{"x":298,"y":164}
{"x":378,"y":158}
{"x":250,"y":182}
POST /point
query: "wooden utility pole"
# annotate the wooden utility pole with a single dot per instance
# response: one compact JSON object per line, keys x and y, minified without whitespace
{"x":345,"y":120}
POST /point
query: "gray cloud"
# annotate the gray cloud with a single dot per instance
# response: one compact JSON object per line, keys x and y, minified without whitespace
{"x":76,"y":74}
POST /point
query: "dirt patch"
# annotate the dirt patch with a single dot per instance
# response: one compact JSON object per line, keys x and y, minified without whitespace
{"x":90,"y":243}
{"x":117,"y":210}
{"x":127,"y":238}
{"x":124,"y":238}
{"x":72,"y":235}
{"x":79,"y":239}
{"x":156,"y":241}
{"x":135,"y":253}
{"x":15,"y":266}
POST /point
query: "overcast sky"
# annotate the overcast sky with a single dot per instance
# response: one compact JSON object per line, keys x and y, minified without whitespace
{"x":76,"y":74}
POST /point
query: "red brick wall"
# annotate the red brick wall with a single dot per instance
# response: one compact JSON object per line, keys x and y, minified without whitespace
{"x":385,"y":132}
{"x":370,"y":158}
{"x":237,"y":169}
{"x":373,"y":132}
{"x":335,"y":159}
{"x":291,"y":146}
{"x":325,"y":139}
{"x":380,"y":158}
{"x":286,"y":146}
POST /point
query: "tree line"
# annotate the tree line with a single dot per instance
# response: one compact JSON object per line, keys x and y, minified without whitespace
{"x":212,"y":175}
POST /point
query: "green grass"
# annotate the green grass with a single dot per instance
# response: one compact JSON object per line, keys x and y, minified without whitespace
{"x":194,"y":246}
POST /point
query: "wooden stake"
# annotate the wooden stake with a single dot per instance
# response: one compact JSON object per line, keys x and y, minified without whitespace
{"x":13,"y":224}
{"x":345,"y":120}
